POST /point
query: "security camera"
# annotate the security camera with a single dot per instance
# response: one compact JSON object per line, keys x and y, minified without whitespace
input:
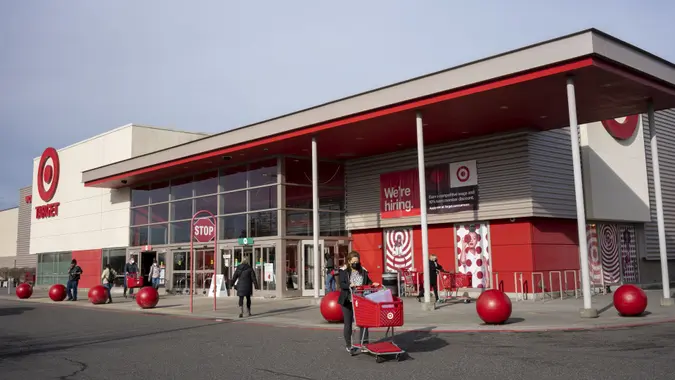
{"x":227,"y":158}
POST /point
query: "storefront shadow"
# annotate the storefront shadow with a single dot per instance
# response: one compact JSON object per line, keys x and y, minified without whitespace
{"x":271,"y":313}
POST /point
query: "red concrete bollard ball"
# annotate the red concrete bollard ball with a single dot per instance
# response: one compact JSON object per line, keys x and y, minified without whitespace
{"x":330,"y":309}
{"x":24,"y":291}
{"x":57,"y":292}
{"x":147,"y":297}
{"x":630,"y":301}
{"x":98,"y":295}
{"x":494,"y":307}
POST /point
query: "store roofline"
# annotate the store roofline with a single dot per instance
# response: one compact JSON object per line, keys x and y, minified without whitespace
{"x":540,"y":56}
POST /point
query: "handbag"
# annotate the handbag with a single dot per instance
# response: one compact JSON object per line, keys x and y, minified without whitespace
{"x":235,"y":284}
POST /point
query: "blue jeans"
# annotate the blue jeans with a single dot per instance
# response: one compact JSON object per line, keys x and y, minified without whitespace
{"x":330,"y":282}
{"x":155,"y":283}
{"x":131,"y":290}
{"x":71,"y":289}
{"x":108,"y":287}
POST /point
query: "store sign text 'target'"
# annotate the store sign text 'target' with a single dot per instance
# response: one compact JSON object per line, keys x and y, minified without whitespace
{"x":49,"y":171}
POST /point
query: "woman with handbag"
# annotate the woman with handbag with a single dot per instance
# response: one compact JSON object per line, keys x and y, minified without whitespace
{"x":243,"y":281}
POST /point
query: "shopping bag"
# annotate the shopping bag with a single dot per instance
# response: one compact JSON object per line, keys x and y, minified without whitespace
{"x":381,"y":296}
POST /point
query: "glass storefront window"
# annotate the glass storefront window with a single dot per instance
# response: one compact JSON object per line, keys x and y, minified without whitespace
{"x":140,"y":196}
{"x":233,"y":178}
{"x":298,"y":223}
{"x":207,"y":204}
{"x":232,"y":226}
{"x":138,"y":236}
{"x":159,"y":234}
{"x":262,"y":173}
{"x":332,"y":224}
{"x":116,"y":257}
{"x":52,"y":268}
{"x":206,"y":183}
{"x":159,"y":192}
{"x":139,"y":216}
{"x":180,"y":232}
{"x":232,"y":203}
{"x":263,"y":224}
{"x":299,"y":171}
{"x":159,"y":213}
{"x":301,"y":197}
{"x":262,"y":198}
{"x":181,"y":210}
{"x":181,"y":188}
{"x":292,"y":280}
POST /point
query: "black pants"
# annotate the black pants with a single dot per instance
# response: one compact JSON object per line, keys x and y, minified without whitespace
{"x":432,"y":286}
{"x":348,"y":314}
{"x":248,"y":301}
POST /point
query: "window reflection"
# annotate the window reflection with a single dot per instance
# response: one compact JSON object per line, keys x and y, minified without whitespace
{"x":139,"y":236}
{"x":181,"y":188}
{"x":140,"y":196}
{"x":263,"y":224}
{"x":299,"y":171}
{"x":139,"y":216}
{"x":233,"y":202}
{"x":159,"y":213}
{"x":233,"y":178}
{"x":159,"y":192}
{"x":206,"y":183}
{"x":181,"y":210}
{"x":159,"y":234}
{"x":262,"y":198}
{"x":232,"y":226}
{"x":209,"y":204}
{"x":299,"y":223}
{"x":180,"y":232}
{"x":262,"y":173}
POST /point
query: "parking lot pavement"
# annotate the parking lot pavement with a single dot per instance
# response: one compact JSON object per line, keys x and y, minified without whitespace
{"x":47,"y":341}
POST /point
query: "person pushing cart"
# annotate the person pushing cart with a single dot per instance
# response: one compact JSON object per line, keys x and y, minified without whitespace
{"x":351,"y":277}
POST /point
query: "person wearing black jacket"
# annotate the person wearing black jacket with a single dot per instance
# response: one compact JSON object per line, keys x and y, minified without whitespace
{"x":434,"y":269}
{"x":243,"y":280}
{"x":352,"y":276}
{"x":130,"y":268}
{"x":74,"y":273}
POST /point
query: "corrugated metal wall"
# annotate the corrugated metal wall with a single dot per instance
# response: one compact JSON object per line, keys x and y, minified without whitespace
{"x":23,"y":258}
{"x":552,"y":176}
{"x":665,"y":127}
{"x":504,"y":172}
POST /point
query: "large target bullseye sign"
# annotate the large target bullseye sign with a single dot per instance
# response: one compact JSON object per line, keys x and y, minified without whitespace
{"x":622,"y":130}
{"x":49,"y":171}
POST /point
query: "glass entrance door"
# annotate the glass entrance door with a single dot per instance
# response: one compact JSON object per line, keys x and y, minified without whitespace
{"x":180,"y":272}
{"x":309,"y":265}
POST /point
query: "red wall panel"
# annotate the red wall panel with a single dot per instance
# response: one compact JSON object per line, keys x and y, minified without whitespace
{"x":368,"y":243}
{"x":90,"y":262}
{"x":511,"y":251}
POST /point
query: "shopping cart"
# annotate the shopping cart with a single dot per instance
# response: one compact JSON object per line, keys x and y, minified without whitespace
{"x":367,"y":314}
{"x":451,"y":281}
{"x":134,"y":280}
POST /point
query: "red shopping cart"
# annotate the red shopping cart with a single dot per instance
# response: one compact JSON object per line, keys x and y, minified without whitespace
{"x":367,"y":314}
{"x":451,"y":281}
{"x":134,"y":280}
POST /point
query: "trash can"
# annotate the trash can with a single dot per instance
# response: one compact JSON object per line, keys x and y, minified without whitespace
{"x":390,"y":281}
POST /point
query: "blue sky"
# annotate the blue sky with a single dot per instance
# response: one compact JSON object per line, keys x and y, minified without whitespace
{"x":70,"y":70}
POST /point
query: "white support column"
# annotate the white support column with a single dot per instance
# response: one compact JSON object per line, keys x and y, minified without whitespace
{"x":665,"y":278}
{"x":587,"y":311}
{"x":423,"y":213}
{"x":315,"y":218}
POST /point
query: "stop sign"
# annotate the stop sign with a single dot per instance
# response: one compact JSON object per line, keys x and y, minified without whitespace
{"x":204,"y":230}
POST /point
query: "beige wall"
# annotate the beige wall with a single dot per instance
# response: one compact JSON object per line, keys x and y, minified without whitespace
{"x":615,"y":175}
{"x":150,"y":139}
{"x":9,"y":224}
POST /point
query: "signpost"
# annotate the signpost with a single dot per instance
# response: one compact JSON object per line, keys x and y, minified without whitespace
{"x":203,"y":230}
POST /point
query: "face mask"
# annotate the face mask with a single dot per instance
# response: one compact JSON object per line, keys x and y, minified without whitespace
{"x":132,"y":261}
{"x":356,"y":266}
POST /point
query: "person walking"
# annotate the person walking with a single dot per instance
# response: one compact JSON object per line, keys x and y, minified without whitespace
{"x":434,"y":269}
{"x":74,"y":273}
{"x":153,"y":275}
{"x":351,"y":276}
{"x":108,"y":278}
{"x":130,"y":270}
{"x":330,"y":272}
{"x":243,"y":281}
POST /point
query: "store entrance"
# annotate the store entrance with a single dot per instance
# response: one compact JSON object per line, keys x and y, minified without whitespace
{"x":261,"y":257}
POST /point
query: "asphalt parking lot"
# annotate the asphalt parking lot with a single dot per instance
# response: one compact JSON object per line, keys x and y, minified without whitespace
{"x":48,"y":341}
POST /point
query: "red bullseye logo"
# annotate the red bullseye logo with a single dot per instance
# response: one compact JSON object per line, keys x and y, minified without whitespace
{"x":49,"y":170}
{"x":463,"y":174}
{"x":622,"y":130}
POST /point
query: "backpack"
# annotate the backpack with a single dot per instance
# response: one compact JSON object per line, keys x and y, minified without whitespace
{"x":111,"y":276}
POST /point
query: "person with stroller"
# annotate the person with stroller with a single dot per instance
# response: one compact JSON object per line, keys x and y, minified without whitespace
{"x":352,"y":276}
{"x":434,"y":269}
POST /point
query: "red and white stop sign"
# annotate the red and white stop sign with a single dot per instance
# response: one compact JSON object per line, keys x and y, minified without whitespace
{"x":204,"y":230}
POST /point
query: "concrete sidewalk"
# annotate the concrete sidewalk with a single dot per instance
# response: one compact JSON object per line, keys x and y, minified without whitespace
{"x":527,"y":316}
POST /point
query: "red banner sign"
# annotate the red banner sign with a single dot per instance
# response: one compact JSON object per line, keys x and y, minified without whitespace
{"x":399,"y":194}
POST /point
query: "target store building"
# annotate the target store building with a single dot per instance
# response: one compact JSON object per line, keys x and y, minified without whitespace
{"x":491,"y":166}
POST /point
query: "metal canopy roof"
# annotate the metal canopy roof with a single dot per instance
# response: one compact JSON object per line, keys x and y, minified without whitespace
{"x":520,"y":89}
